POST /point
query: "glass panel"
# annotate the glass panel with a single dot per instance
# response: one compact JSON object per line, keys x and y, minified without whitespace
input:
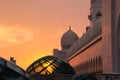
{"x":38,"y":69}
{"x":51,"y":61}
{"x":43,"y":72}
{"x":56,"y":63}
{"x":50,"y":69}
{"x":46,"y":64}
{"x":53,"y":67}
{"x":58,"y":60}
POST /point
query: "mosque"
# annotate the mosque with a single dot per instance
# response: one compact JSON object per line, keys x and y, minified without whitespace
{"x":98,"y":50}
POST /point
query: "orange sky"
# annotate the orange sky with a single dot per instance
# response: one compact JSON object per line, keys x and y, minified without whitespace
{"x":30,"y":29}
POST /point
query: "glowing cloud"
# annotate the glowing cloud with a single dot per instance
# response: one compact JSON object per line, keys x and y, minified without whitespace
{"x":16,"y":35}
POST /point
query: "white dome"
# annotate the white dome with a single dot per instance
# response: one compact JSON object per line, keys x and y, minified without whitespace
{"x":68,"y":39}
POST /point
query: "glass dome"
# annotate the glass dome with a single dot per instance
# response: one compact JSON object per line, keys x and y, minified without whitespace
{"x":50,"y":65}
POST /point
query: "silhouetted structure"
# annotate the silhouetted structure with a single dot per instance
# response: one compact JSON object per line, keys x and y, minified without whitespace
{"x":67,"y":40}
{"x":12,"y":60}
{"x":10,"y":71}
{"x":84,"y":77}
{"x":50,"y":68}
{"x":50,"y":65}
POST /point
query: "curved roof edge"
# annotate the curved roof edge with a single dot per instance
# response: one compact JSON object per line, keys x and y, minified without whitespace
{"x":69,"y":38}
{"x":13,"y":67}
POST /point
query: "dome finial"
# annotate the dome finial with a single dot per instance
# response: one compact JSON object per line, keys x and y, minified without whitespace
{"x":69,"y":27}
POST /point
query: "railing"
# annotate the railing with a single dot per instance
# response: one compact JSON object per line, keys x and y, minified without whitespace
{"x":105,"y":76}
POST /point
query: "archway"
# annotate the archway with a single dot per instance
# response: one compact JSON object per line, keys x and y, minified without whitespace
{"x":118,"y":46}
{"x":119,"y":34}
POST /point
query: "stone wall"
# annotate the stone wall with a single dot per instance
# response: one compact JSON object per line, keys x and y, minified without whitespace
{"x":108,"y":76}
{"x":116,"y":35}
{"x":52,"y":77}
{"x":99,"y":41}
{"x":92,"y":33}
{"x":88,"y":59}
{"x":110,"y":33}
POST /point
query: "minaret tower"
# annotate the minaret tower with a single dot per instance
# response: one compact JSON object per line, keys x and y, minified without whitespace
{"x":95,"y":11}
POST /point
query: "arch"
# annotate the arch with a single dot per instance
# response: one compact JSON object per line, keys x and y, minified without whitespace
{"x":87,"y":67}
{"x":82,"y":68}
{"x":99,"y":61}
{"x":117,"y":56}
{"x":99,"y":64}
{"x":92,"y":63}
{"x":96,"y":65}
{"x":118,"y":32}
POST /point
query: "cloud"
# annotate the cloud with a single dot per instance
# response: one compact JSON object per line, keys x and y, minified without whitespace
{"x":15,"y":35}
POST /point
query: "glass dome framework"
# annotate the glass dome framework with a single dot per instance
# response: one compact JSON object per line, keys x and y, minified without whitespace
{"x":50,"y":65}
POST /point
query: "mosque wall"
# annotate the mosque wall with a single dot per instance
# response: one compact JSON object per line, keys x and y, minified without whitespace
{"x":111,"y":23}
{"x":87,"y":37}
{"x":98,"y":50}
{"x":116,"y":34}
{"x":59,"y":54}
{"x":86,"y":54}
{"x":89,"y":58}
{"x":109,"y":45}
{"x":106,"y":34}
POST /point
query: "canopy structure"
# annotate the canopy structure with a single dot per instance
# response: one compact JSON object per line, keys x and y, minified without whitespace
{"x":50,"y":65}
{"x":10,"y":71}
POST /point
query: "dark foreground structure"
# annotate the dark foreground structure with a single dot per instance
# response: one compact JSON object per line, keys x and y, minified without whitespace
{"x":10,"y":71}
{"x":50,"y":68}
{"x":50,"y":65}
{"x":84,"y":77}
{"x":52,"y":77}
{"x":46,"y":68}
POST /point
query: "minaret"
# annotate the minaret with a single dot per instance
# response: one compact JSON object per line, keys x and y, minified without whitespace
{"x":95,"y":11}
{"x":12,"y":60}
{"x":69,"y":27}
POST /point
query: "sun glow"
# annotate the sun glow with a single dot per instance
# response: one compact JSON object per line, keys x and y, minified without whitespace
{"x":30,"y":29}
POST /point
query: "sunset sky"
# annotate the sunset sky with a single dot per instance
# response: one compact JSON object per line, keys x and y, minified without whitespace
{"x":30,"y":29}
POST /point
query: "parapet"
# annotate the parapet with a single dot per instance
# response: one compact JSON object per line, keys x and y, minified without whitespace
{"x":92,"y":33}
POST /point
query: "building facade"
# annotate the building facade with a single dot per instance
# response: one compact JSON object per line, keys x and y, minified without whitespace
{"x":67,"y":40}
{"x":98,"y":50}
{"x":86,"y":54}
